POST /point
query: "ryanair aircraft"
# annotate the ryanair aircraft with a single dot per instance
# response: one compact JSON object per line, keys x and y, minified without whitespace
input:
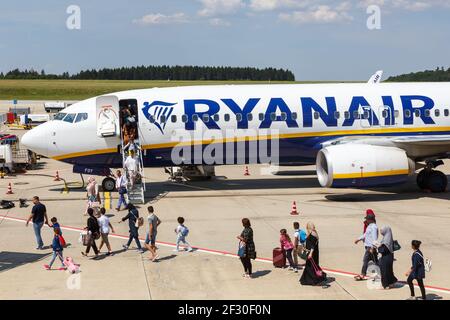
{"x":358,"y":135}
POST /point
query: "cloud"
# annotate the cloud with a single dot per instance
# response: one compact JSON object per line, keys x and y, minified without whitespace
{"x":159,"y":18}
{"x":220,"y":7}
{"x":409,"y":5}
{"x":270,"y":5}
{"x":218,"y":22}
{"x":319,"y":14}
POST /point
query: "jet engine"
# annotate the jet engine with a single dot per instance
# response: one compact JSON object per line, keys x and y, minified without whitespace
{"x":362,"y":166}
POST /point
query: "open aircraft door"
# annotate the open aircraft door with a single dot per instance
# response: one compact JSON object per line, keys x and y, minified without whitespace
{"x":107,"y":115}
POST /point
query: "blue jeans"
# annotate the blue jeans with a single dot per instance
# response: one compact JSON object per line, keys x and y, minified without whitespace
{"x":59,"y":255}
{"x":121,"y":201}
{"x":37,"y":226}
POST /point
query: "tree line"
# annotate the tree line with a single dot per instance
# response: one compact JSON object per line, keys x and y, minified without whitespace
{"x":438,"y":75}
{"x":161,"y":73}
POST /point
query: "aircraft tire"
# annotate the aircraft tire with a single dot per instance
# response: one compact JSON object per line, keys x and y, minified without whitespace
{"x":437,"y":181}
{"x":422,"y":179}
{"x":108,"y":184}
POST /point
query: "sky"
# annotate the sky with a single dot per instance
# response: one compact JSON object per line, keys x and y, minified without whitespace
{"x":316,"y":39}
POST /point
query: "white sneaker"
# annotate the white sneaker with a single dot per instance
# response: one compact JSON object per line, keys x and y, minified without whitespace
{"x":296,"y":270}
{"x":190,"y":250}
{"x":290,"y":269}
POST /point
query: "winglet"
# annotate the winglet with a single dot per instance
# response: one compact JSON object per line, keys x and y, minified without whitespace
{"x":376,"y":78}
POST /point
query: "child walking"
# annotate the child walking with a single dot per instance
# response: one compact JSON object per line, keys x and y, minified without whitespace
{"x":57,"y":251}
{"x":182,"y":231}
{"x":417,"y":271}
{"x":287,"y":246}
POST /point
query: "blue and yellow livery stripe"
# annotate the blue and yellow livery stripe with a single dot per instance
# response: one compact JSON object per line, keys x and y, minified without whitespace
{"x":379,"y":131}
{"x":362,"y":175}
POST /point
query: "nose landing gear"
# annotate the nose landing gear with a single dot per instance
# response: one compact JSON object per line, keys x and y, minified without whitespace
{"x":433,"y":180}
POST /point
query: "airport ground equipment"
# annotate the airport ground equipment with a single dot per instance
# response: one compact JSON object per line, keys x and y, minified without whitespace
{"x":13,"y":157}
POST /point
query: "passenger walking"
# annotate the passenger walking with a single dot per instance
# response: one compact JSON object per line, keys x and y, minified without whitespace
{"x":249,"y":249}
{"x":288,"y":247}
{"x":131,"y":166}
{"x":150,"y":241}
{"x":313,"y":275}
{"x":417,"y":270}
{"x":182,"y":232}
{"x":299,"y":243}
{"x":386,"y":263}
{"x":39,"y":217}
{"x":57,"y":251}
{"x":93,"y":195}
{"x":105,"y":228}
{"x":370,"y":254}
{"x":121,"y":186}
{"x":93,"y":230}
{"x":133,"y":218}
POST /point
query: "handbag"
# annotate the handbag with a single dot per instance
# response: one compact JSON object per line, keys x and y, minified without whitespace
{"x":86,"y":239}
{"x":397,"y":246}
{"x":122,"y":190}
{"x":241,"y":250}
{"x":317,"y":271}
{"x":305,"y":254}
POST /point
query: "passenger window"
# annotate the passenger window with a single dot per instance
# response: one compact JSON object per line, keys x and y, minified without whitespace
{"x":70,"y":117}
{"x":195,"y":117}
{"x":59,"y":116}
{"x":81,"y":117}
{"x":427,"y":113}
{"x":437,"y":112}
{"x":356,"y":114}
{"x":152,"y":119}
{"x":163,"y":119}
{"x":226,"y":117}
{"x":205,"y":118}
{"x":184,"y":118}
{"x":273,"y":116}
{"x":316,"y":115}
{"x":446,"y":112}
{"x":396,"y":114}
{"x":249,"y":117}
{"x":417,"y":113}
{"x":238,"y":117}
{"x":294,"y":115}
{"x":261,"y":117}
{"x":216,"y":117}
{"x":384,"y":114}
{"x":337,"y":115}
{"x":407,"y":114}
{"x":347,"y":115}
{"x":366,"y":115}
{"x":283,"y":116}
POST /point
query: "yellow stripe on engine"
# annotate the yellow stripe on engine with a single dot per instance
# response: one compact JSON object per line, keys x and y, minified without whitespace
{"x":370,"y":174}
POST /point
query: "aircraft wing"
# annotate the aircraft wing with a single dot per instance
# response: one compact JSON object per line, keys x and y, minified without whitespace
{"x":424,"y":140}
{"x":432,"y":140}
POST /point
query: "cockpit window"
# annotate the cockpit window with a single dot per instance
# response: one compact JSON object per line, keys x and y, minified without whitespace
{"x":81,"y":117}
{"x":70,"y":117}
{"x":59,"y":116}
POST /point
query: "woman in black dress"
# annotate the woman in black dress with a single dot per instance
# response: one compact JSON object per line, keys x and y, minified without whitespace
{"x":386,"y":262}
{"x":249,"y":247}
{"x":312,"y":273}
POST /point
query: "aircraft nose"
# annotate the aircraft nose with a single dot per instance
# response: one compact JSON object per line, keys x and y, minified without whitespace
{"x":36,"y":140}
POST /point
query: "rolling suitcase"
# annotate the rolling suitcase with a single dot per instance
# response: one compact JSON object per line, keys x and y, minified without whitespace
{"x":279,"y":259}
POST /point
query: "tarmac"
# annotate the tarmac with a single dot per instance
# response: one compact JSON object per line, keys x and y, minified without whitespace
{"x":213,"y":211}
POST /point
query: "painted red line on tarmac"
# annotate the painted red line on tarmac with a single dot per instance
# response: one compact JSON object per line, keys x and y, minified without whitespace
{"x":329,"y":270}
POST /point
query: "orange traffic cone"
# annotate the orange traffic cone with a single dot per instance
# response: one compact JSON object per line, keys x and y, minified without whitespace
{"x":294,"y":211}
{"x":57,"y":178}
{"x":9,"y":189}
{"x":246,"y":172}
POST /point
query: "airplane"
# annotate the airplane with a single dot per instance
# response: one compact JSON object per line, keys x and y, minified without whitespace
{"x":376,"y":78}
{"x":358,"y":135}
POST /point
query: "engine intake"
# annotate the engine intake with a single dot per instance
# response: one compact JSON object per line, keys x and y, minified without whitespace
{"x":359,"y":166}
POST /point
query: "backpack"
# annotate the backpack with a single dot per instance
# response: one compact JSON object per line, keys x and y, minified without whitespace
{"x":62,"y":241}
{"x":184,"y":231}
{"x":427,"y":263}
{"x":5,"y":204}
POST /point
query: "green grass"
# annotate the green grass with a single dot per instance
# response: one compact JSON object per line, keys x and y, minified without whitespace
{"x":83,"y":89}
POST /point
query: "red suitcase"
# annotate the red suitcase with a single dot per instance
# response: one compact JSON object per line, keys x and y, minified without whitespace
{"x":279,"y":259}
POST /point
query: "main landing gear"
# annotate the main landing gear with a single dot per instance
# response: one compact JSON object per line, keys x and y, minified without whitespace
{"x":108,"y":184}
{"x":433,"y":180}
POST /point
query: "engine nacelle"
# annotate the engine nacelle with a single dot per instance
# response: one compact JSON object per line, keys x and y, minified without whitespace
{"x":360,"y":165}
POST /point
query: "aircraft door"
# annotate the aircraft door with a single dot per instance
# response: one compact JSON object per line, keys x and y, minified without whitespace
{"x":107,"y":115}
